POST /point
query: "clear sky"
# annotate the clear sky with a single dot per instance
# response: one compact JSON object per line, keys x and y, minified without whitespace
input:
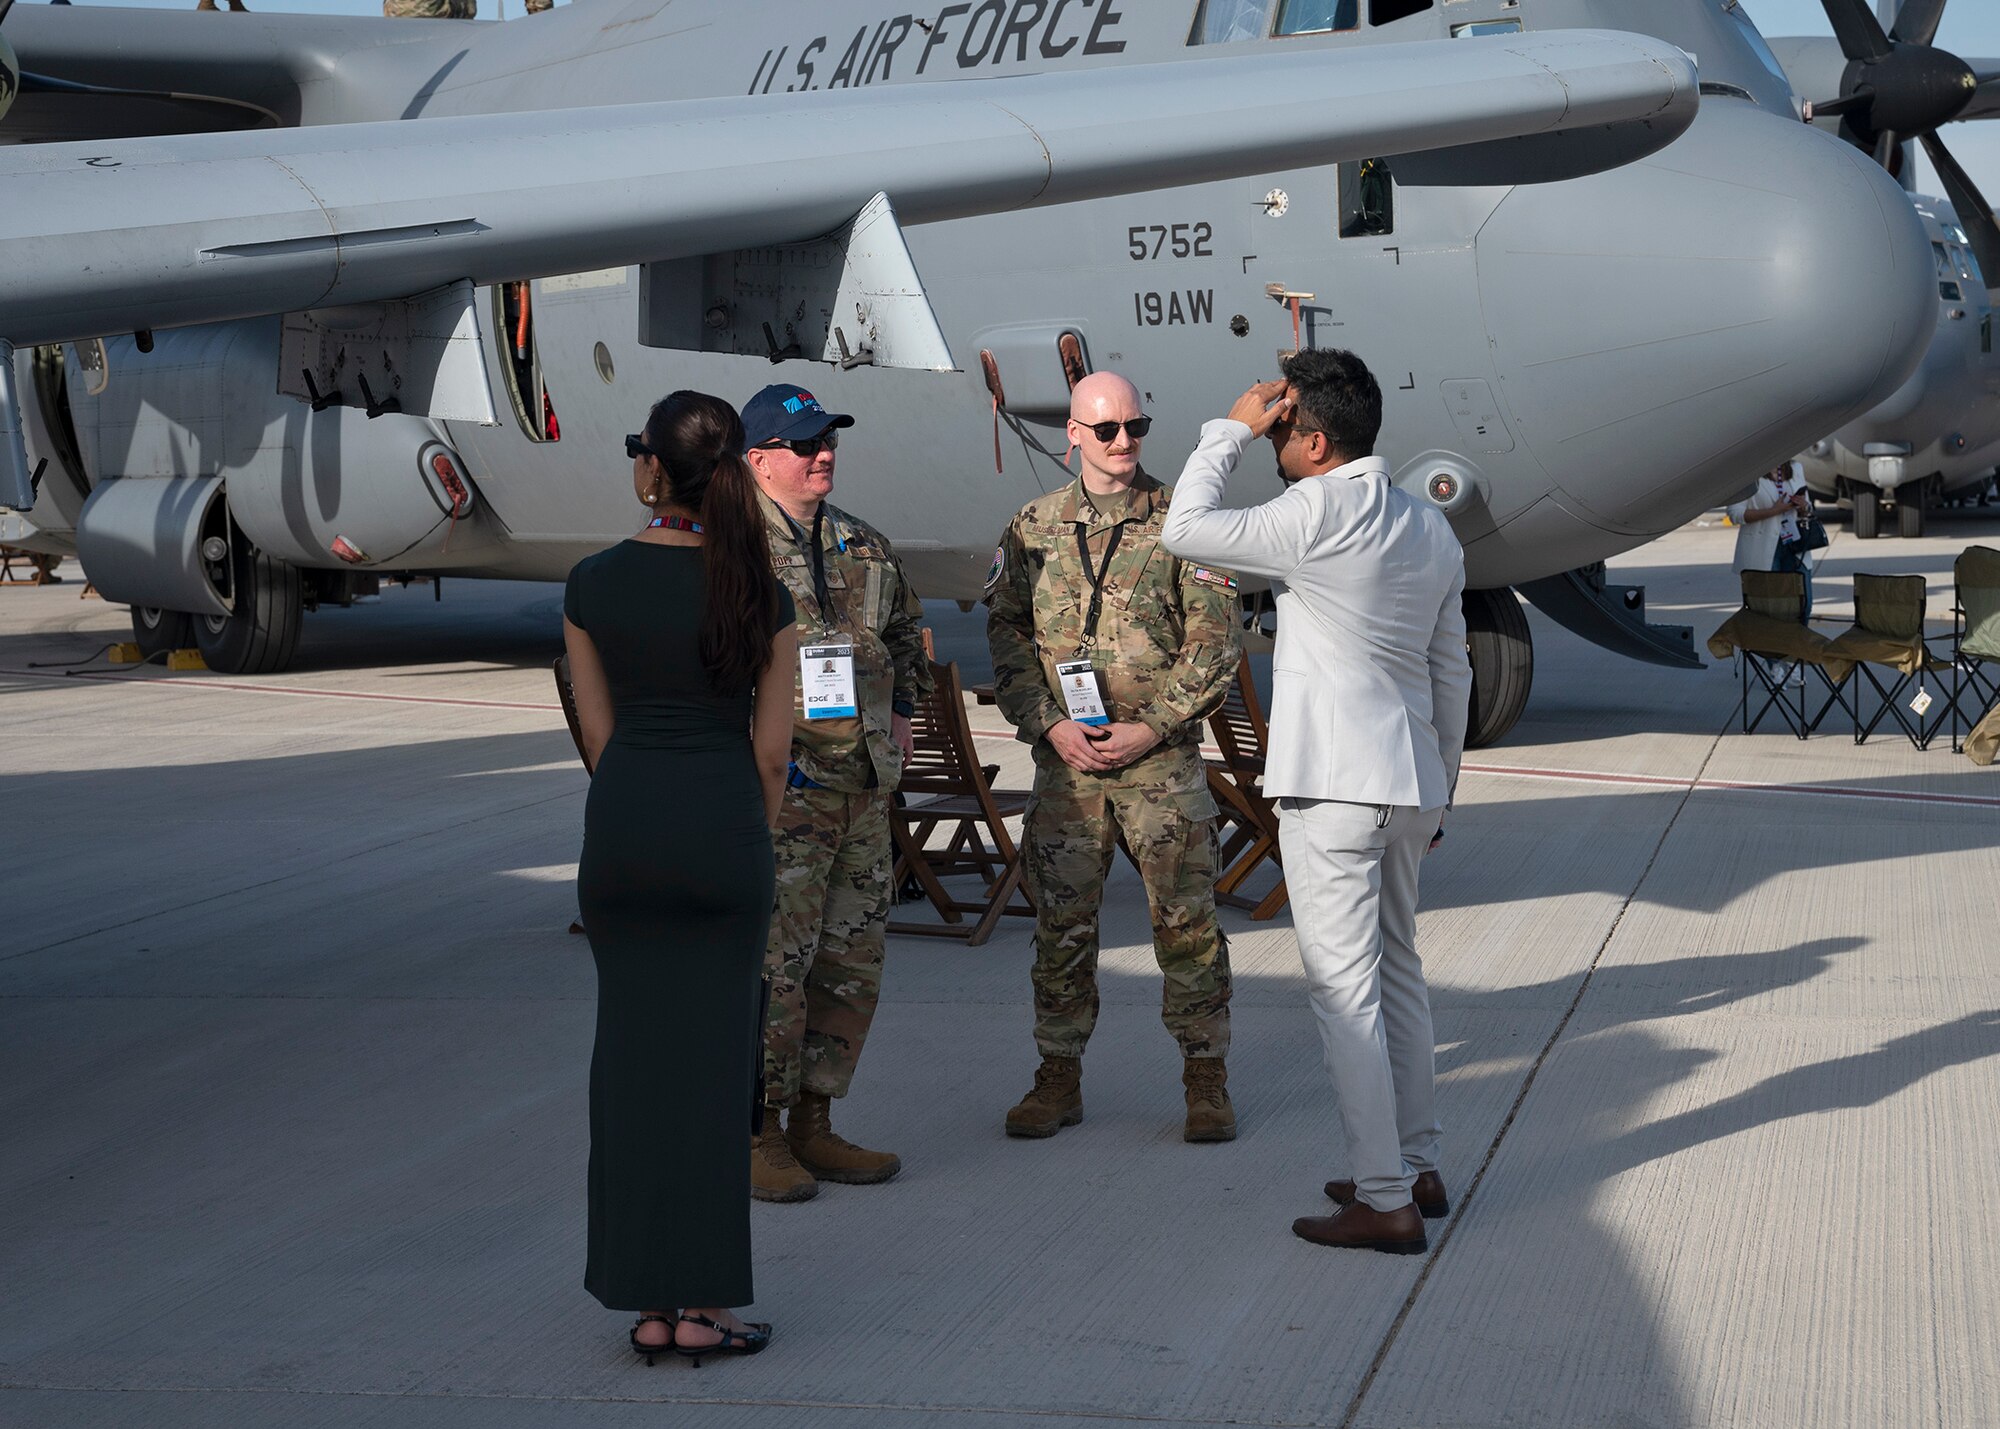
{"x":1971,"y":28}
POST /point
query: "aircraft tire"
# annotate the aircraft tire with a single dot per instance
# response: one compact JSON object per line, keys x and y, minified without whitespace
{"x":262,"y":634}
{"x":1910,"y":516}
{"x":1503,"y":663}
{"x":1867,"y":513}
{"x":160,"y":632}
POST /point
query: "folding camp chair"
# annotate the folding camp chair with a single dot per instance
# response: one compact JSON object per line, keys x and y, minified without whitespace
{"x":1975,"y":641}
{"x":1888,"y":632}
{"x":1769,"y":636}
{"x":946,"y":791}
{"x":1236,"y":781}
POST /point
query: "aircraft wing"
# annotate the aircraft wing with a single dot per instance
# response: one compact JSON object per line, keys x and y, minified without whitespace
{"x":1986,"y":101}
{"x":105,"y":72}
{"x":120,"y":235}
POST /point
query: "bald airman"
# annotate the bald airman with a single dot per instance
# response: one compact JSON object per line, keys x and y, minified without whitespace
{"x":1108,"y":654}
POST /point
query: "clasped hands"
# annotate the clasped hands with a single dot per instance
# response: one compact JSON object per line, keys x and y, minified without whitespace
{"x":1113,"y":746}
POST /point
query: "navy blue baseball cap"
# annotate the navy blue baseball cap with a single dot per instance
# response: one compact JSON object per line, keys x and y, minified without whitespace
{"x":785,"y":413}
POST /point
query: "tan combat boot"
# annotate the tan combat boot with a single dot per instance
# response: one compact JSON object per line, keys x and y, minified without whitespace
{"x":1055,"y":1101}
{"x":775,"y":1174}
{"x":1210,"y":1116}
{"x":828,"y":1155}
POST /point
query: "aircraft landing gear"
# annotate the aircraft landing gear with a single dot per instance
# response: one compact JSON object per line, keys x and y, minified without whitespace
{"x":1910,"y":511}
{"x":1503,"y":663}
{"x":259,"y":637}
{"x":1867,"y":513}
{"x":161,"y":632}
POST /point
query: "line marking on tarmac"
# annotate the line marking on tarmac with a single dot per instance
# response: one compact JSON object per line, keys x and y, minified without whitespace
{"x":106,"y":677}
{"x":1498,"y":771}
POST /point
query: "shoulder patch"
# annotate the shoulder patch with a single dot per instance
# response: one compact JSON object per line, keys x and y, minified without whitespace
{"x":1221,"y":578}
{"x":998,"y":568}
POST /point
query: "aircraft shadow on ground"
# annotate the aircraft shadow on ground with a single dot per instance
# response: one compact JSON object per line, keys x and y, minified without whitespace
{"x":470,"y":922}
{"x":513,"y":1118}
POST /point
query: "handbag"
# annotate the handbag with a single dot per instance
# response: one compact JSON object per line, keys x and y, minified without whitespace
{"x":1811,"y":537}
{"x":757,"y":1057}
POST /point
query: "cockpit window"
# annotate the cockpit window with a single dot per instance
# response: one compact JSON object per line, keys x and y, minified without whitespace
{"x":1474,"y":28}
{"x":1317,"y":17}
{"x":1222,"y":21}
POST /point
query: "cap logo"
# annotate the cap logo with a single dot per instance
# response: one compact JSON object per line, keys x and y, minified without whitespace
{"x":803,"y":402}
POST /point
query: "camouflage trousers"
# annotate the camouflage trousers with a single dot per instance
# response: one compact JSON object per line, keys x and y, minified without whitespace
{"x":431,"y":9}
{"x":1162,"y":806}
{"x":827,"y":933}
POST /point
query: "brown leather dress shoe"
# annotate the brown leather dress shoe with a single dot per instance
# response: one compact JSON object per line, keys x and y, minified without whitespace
{"x":1427,"y":1191}
{"x":1362,"y":1227}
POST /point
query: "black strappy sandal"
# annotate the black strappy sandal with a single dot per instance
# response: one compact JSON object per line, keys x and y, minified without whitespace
{"x":652,"y":1352}
{"x":746,"y":1341}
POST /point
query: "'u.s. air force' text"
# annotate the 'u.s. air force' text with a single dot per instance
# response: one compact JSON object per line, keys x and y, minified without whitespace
{"x":988,"y":32}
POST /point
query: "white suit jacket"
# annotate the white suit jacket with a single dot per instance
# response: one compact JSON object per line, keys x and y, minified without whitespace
{"x":1370,"y":683}
{"x":1757,"y":541}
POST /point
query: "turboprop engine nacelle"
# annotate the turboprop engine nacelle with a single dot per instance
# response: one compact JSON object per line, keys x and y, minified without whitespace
{"x":190,"y":446}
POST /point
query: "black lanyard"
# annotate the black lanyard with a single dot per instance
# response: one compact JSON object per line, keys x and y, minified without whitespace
{"x":821,"y":596}
{"x":1096,"y":577}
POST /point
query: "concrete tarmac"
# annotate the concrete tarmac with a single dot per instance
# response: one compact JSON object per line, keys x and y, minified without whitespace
{"x":293,"y":1046}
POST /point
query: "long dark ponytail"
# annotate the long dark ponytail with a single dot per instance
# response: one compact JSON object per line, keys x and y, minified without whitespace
{"x":699,"y":440}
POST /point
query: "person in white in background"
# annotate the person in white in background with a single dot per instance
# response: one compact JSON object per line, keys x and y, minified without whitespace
{"x":1371,"y":686}
{"x":1768,"y":519}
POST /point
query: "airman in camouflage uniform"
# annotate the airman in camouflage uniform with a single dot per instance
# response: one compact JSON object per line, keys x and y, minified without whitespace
{"x":1163,"y":651}
{"x":832,"y":839}
{"x":431,"y":9}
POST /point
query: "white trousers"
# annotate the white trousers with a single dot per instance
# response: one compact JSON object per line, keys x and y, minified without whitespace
{"x":1351,"y":870}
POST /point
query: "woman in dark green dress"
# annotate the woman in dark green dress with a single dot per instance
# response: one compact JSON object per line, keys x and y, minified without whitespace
{"x":681,"y":651}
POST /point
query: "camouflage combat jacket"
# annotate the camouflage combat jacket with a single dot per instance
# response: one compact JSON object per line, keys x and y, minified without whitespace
{"x":874,"y":607}
{"x":1166,"y":630}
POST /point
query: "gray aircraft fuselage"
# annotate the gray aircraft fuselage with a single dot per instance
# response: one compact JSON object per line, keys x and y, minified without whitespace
{"x":1597,"y":359}
{"x":1940,"y":431}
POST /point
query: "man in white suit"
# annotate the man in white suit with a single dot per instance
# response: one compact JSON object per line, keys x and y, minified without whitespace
{"x":1368,"y":713}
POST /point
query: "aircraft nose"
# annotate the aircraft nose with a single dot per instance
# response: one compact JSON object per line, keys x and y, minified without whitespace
{"x":1666,"y":330}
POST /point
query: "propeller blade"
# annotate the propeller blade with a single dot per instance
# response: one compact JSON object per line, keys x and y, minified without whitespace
{"x":1975,"y":214}
{"x":1831,"y":107}
{"x":1860,"y":34}
{"x":1917,"y":22}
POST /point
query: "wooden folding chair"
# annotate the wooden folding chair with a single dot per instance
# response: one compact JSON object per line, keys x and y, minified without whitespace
{"x":946,"y":792}
{"x":1236,"y":781}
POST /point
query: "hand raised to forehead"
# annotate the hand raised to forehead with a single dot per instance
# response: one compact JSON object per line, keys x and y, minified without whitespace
{"x":1264,"y":406}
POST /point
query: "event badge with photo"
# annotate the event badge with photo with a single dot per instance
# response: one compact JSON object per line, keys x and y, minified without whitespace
{"x":826,"y":680}
{"x":1083,"y":696}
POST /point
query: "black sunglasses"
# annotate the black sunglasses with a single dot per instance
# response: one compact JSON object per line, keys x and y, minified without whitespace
{"x":805,"y":446}
{"x":635,"y":447}
{"x":1106,"y":431}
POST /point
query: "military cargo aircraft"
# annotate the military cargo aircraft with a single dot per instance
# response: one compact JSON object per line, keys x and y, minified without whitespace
{"x":1884,"y":86}
{"x":289,"y":346}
